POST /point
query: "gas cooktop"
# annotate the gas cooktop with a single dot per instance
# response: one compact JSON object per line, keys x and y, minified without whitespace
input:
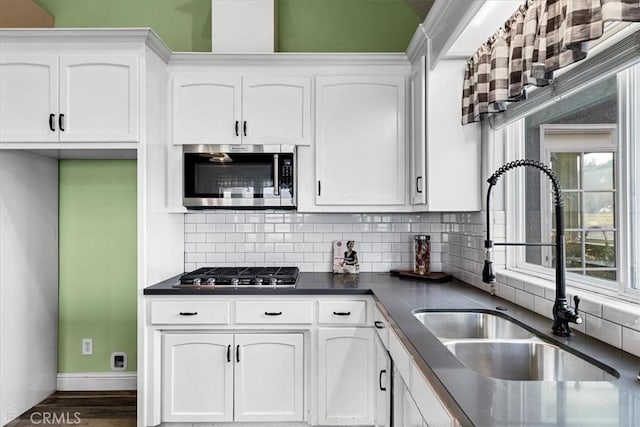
{"x":241,"y":277}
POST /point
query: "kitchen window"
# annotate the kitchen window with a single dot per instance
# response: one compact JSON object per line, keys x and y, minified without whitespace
{"x":590,"y":140}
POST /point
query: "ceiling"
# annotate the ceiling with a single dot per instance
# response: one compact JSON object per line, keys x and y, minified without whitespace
{"x":487,"y":21}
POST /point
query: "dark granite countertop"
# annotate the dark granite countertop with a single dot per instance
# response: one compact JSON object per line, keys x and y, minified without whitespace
{"x":473,"y":398}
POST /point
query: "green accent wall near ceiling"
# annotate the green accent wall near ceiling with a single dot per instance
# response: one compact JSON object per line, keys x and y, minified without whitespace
{"x":345,"y":25}
{"x":303,"y":25}
{"x":98,"y":252}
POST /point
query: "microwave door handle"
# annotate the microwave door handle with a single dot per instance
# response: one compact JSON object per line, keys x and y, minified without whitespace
{"x":276,"y":175}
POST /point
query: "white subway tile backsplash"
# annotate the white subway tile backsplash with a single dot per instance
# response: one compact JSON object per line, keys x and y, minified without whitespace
{"x":254,"y":256}
{"x":236,"y":257}
{"x":254,"y":237}
{"x":215,"y":238}
{"x":275,"y":257}
{"x":224,"y":228}
{"x":306,"y":240}
{"x":606,"y":331}
{"x":631,"y":341}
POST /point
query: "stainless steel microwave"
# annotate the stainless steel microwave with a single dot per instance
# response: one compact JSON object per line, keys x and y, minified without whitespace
{"x":239,"y":176}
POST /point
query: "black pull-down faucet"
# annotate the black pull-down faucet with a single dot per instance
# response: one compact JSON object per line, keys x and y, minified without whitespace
{"x":562,"y":313}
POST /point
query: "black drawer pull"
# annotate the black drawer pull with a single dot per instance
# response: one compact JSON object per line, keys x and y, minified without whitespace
{"x":342,"y":313}
{"x":382,"y":372}
{"x":188,"y":313}
{"x":378,"y":324}
{"x":244,"y":127}
{"x":51,"y":125}
{"x":61,"y":122}
{"x":238,"y":353}
{"x":229,"y":353}
{"x":237,"y":124}
{"x":272,"y":313}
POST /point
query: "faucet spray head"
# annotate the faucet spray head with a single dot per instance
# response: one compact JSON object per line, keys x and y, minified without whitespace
{"x":488,"y":275}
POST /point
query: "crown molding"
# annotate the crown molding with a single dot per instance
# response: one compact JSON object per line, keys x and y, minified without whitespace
{"x":88,"y":36}
{"x":419,"y":44}
{"x":290,"y":59}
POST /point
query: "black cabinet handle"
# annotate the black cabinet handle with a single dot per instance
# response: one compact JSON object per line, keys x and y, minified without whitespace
{"x":61,"y":122}
{"x":272,"y":313}
{"x":319,"y":188}
{"x":418,"y":190}
{"x":382,"y":372}
{"x":342,"y":313}
{"x":51,"y":125}
{"x":237,"y":126}
{"x":229,"y":353}
{"x":378,"y":324}
{"x":188,"y":313}
{"x":244,"y":127}
{"x":238,"y":353}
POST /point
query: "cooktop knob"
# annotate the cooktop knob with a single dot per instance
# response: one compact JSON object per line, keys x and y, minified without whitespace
{"x":235,"y":282}
{"x":211,"y":281}
{"x":196,"y":281}
{"x":259,"y":280}
{"x":273,"y":281}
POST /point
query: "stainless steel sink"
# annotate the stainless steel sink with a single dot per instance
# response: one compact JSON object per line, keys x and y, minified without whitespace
{"x":525,"y":360}
{"x":470,"y":324}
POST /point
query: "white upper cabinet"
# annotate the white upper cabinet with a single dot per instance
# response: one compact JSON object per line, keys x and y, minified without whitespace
{"x":69,"y":98}
{"x":445,"y":153}
{"x":360,"y":144}
{"x":206,"y":109}
{"x":276,"y":110}
{"x":217,"y":109}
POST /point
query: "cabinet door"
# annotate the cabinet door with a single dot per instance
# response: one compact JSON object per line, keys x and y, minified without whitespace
{"x":417,"y":82}
{"x":206,"y":109}
{"x":28,"y":98}
{"x":276,"y":110}
{"x":360,"y":146}
{"x":383,"y":387}
{"x":269,"y":377}
{"x":99,"y":98}
{"x":197,"y":382}
{"x":405,"y":410}
{"x":346,"y":375}
{"x":453,"y":150}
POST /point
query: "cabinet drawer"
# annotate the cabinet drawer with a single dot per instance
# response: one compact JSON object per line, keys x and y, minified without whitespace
{"x":189,"y":312}
{"x":342,"y":312}
{"x":266,"y":312}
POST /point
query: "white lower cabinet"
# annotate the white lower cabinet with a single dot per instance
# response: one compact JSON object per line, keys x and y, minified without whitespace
{"x":405,"y":410}
{"x":383,"y":387}
{"x":346,"y":376}
{"x":211,"y":377}
{"x":197,"y":382}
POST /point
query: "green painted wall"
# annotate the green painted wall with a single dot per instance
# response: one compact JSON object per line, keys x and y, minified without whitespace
{"x":345,"y":25}
{"x":97,"y":263}
{"x":303,"y":25}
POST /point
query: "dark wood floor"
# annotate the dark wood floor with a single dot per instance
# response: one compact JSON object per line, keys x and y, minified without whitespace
{"x":83,"y":408}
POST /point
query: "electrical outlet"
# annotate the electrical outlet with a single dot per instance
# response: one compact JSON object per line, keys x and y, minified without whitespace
{"x":87,"y":346}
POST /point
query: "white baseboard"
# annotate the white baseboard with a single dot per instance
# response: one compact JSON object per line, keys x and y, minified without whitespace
{"x":97,"y":381}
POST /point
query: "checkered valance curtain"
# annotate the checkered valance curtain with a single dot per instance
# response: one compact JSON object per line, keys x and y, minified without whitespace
{"x":539,"y":38}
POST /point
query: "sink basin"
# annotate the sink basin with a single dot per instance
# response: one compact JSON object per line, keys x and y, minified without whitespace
{"x":470,"y":324}
{"x":525,"y":360}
